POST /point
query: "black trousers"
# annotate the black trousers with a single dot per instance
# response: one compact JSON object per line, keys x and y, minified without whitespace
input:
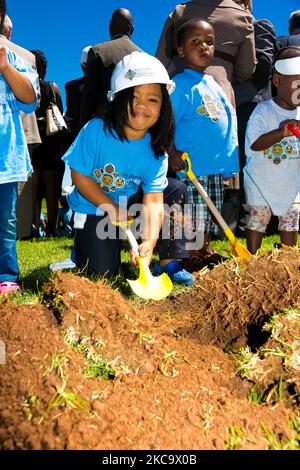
{"x":102,"y":255}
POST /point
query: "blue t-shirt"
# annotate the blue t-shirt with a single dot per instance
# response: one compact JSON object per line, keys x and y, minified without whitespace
{"x":119,"y":168}
{"x":14,"y":157}
{"x":205,"y":124}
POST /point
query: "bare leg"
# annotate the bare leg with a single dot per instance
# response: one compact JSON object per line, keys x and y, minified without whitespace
{"x":288,"y":238}
{"x":254,"y":239}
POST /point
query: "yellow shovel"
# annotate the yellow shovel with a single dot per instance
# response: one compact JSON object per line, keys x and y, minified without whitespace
{"x":236,"y":247}
{"x":146,"y":286}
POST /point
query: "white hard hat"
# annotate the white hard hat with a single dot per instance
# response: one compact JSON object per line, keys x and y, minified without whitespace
{"x":84,"y":55}
{"x":138,"y":68}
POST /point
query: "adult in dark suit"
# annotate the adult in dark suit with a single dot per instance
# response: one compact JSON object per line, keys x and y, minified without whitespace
{"x":74,"y":91}
{"x":294,"y":29}
{"x":102,"y":59}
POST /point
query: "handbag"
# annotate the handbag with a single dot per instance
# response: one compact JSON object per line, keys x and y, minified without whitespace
{"x":54,"y":119}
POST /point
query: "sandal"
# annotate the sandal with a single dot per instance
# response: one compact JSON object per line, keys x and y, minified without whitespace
{"x":8,"y":287}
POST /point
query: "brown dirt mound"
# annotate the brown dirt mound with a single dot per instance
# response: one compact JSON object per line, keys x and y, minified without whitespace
{"x":31,"y":338}
{"x":93,"y":310}
{"x":229,"y":301}
{"x":170,"y":392}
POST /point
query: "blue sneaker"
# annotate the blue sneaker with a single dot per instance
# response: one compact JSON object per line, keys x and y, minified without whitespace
{"x":175,"y":271}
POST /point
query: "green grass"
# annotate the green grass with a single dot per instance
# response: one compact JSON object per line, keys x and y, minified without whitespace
{"x":68,"y":399}
{"x":234,"y":435}
{"x":96,"y":366}
{"x":278,"y":442}
{"x":58,"y":363}
{"x":35,"y":257}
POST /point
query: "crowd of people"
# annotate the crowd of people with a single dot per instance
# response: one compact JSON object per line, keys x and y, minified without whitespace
{"x":221,"y":88}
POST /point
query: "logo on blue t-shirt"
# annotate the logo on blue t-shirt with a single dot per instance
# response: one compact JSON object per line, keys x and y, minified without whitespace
{"x":109,"y":179}
{"x":279,"y":151}
{"x":211,"y":108}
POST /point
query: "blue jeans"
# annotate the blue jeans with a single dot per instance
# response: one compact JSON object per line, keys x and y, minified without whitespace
{"x":9,"y":269}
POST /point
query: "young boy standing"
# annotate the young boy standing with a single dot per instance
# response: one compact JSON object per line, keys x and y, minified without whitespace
{"x":205,"y":128}
{"x":272,"y":171}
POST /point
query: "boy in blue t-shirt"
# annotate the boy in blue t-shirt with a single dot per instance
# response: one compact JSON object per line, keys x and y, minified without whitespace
{"x":205,"y":128}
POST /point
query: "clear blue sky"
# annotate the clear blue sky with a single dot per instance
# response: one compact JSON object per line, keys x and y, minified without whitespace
{"x":61,"y":28}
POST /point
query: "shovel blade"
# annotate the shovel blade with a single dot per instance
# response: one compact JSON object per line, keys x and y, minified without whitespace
{"x":240,"y":251}
{"x":148,"y":286}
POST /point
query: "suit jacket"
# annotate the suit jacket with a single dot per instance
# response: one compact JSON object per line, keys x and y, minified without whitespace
{"x":234,"y":40}
{"x":266,"y":47}
{"x":74,"y":91}
{"x":29,"y":122}
{"x":102,"y":59}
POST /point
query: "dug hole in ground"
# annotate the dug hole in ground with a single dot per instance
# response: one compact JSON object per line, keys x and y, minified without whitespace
{"x":215,"y":367}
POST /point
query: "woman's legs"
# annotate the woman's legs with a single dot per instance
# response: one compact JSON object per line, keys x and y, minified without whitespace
{"x":9,"y":269}
{"x":52,"y":184}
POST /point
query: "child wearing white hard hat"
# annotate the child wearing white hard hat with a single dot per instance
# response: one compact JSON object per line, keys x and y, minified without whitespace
{"x":118,"y":154}
{"x":272,"y":171}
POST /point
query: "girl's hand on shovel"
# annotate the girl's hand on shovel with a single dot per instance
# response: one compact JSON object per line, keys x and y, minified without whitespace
{"x":175,"y":160}
{"x":119,"y":215}
{"x":145,"y":251}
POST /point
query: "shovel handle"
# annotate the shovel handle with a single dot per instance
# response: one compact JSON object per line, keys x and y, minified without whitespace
{"x":130,"y":237}
{"x":132,"y":241}
{"x":191,"y":175}
{"x":122,"y":223}
{"x":188,"y":171}
{"x":237,"y":248}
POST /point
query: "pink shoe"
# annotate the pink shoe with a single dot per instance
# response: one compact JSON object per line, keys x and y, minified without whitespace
{"x":8,"y":287}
